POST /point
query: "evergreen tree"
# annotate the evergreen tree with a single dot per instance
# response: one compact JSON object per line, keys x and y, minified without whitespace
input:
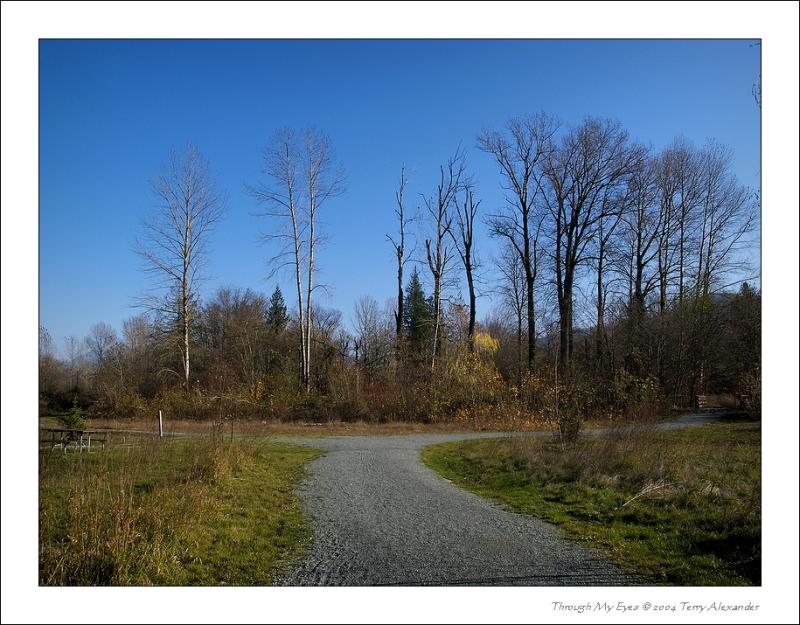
{"x":277,"y":317}
{"x":417,"y":316}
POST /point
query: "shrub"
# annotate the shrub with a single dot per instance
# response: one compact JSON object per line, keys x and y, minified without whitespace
{"x":637,"y":397}
{"x":749,"y":391}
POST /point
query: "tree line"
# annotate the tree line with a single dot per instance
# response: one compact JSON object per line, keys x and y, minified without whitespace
{"x":620,"y":285}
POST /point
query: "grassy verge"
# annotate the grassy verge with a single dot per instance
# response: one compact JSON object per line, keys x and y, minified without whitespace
{"x":680,"y":507}
{"x":170,"y":512}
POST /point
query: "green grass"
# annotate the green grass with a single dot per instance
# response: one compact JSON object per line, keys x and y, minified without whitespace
{"x":700,"y":525}
{"x":173,"y":512}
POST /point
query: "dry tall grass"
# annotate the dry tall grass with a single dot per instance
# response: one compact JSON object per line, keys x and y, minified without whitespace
{"x":128,"y":516}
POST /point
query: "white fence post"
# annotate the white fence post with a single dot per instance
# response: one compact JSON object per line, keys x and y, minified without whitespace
{"x":160,"y":425}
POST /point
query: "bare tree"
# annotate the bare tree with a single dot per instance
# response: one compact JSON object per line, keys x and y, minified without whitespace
{"x":283,"y":202}
{"x":400,"y":251}
{"x":138,"y":344}
{"x":642,"y":226}
{"x":679,"y":186}
{"x":464,"y":240}
{"x":45,"y":342}
{"x":100,"y":341}
{"x":372,"y":340}
{"x":76,"y":357}
{"x":727,"y":216}
{"x":324,"y":179}
{"x":175,"y":238}
{"x":615,"y":203}
{"x":520,"y":152}
{"x":590,"y":160}
{"x":438,"y":252}
{"x":513,"y":293}
{"x":678,"y":177}
{"x":48,"y":363}
{"x":606,"y":227}
{"x":303,"y":177}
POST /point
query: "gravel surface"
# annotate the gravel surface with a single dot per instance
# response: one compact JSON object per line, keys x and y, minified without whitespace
{"x":381,"y":517}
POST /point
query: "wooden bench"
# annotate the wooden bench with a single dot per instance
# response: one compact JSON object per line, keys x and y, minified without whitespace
{"x":62,"y":438}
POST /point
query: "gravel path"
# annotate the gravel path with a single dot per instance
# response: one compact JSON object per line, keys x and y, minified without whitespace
{"x":382,"y":517}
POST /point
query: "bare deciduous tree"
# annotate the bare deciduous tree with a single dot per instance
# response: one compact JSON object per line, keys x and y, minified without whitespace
{"x":401,"y":253}
{"x":138,"y":340}
{"x":520,"y":153}
{"x":513,"y":291}
{"x":100,"y":341}
{"x":76,"y":360}
{"x":324,"y":179}
{"x":464,"y":240}
{"x":372,"y":340}
{"x":641,"y":226}
{"x":283,"y":202}
{"x":589,"y":160}
{"x":438,"y":252}
{"x":175,"y":239}
{"x":679,"y":191}
{"x":304,"y":176}
{"x":48,"y":363}
{"x":616,"y":202}
{"x":727,"y":216}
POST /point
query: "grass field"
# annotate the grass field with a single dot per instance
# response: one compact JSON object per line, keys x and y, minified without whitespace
{"x":680,"y":507}
{"x":171,"y":512}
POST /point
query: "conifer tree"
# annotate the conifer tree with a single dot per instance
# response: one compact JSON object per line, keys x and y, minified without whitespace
{"x":277,"y":318}
{"x":417,"y":316}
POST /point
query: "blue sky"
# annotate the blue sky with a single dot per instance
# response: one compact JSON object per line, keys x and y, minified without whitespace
{"x":111,"y":110}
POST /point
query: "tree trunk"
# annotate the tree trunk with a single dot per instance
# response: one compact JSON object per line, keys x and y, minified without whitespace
{"x":571,"y":331}
{"x":529,"y":280}
{"x":308,"y":300}
{"x":681,"y":255}
{"x":399,"y":314}
{"x":299,"y":282}
{"x":471,"y":289}
{"x":531,"y":322}
{"x":185,"y":300}
{"x":565,"y":322}
{"x":601,"y":327}
{"x":563,"y":347}
{"x":519,"y":346}
{"x":186,"y":347}
{"x":437,"y":307}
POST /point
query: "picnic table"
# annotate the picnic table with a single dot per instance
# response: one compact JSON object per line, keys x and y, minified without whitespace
{"x":81,"y":438}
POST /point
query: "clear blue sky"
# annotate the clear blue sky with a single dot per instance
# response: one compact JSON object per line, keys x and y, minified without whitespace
{"x":111,"y":110}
